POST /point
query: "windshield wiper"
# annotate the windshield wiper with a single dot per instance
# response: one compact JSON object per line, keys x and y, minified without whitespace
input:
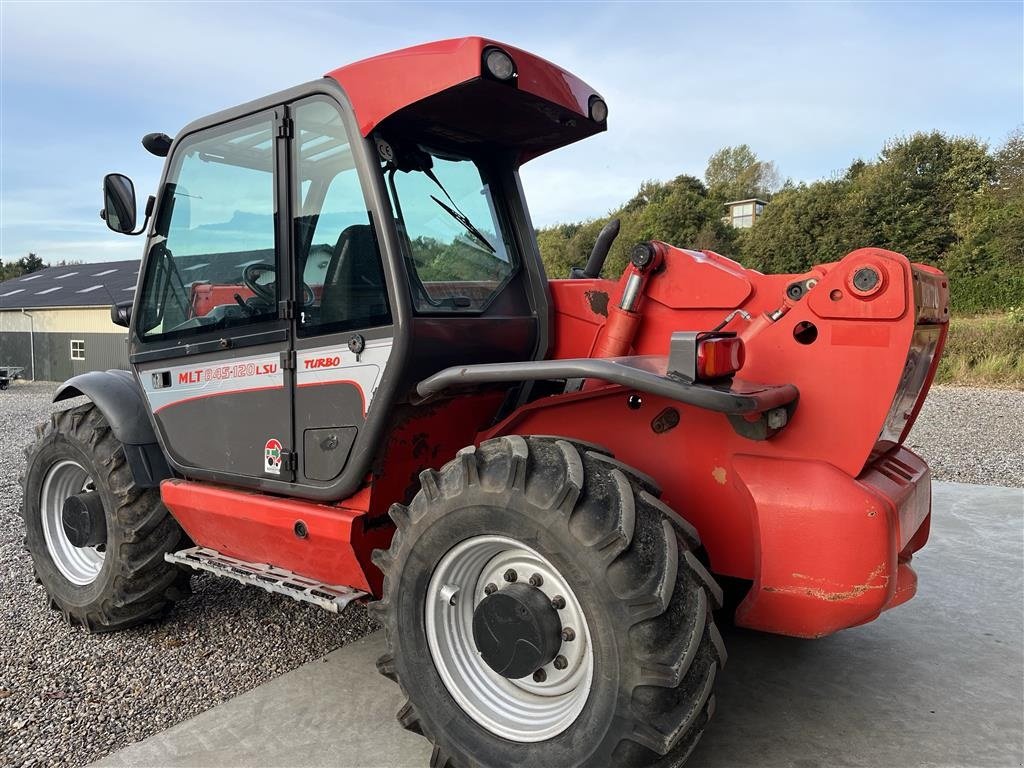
{"x":467,"y":224}
{"x":458,"y":215}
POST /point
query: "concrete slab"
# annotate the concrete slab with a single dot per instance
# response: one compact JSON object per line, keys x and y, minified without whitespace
{"x":333,"y":712}
{"x":937,"y":682}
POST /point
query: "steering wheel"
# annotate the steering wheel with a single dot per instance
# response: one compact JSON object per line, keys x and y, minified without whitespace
{"x":268,"y":291}
{"x":251,"y":275}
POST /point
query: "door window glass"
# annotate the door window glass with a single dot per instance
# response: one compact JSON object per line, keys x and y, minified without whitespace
{"x":458,"y":249}
{"x":338,"y":259}
{"x":213,"y":263}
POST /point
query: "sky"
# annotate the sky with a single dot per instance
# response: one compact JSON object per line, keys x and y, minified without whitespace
{"x":810,"y":86}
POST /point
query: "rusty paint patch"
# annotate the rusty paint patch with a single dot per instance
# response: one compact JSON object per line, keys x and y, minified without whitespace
{"x":719,"y":474}
{"x":598,"y":301}
{"x":833,"y":596}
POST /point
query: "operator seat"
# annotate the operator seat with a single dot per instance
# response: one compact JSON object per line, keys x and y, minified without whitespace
{"x":354,"y":287}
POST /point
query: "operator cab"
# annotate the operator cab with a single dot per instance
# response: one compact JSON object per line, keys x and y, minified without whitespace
{"x":315,"y":254}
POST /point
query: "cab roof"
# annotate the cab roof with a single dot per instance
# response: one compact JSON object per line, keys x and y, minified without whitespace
{"x":442,"y":87}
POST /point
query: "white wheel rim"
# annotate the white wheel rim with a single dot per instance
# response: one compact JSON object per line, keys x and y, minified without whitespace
{"x":520,"y":710}
{"x":79,"y":565}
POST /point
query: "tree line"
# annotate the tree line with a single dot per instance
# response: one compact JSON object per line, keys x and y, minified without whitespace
{"x":949,"y":201}
{"x":23,"y":266}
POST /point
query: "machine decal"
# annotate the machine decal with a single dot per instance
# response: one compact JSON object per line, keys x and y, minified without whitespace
{"x":321,"y":362}
{"x":272,"y":456}
{"x":339,"y":365}
{"x":188,"y":382}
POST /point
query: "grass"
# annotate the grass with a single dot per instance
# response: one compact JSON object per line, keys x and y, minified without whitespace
{"x":985,"y":350}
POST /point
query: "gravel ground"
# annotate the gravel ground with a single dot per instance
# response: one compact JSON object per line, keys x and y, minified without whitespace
{"x":972,"y":435}
{"x":68,"y":698}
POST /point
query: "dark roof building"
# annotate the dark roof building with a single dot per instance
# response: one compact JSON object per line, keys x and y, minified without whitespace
{"x":78,"y":285}
{"x":55,"y":323}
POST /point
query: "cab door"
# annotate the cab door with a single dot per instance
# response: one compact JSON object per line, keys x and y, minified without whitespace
{"x":343,"y":330}
{"x":210,"y":347}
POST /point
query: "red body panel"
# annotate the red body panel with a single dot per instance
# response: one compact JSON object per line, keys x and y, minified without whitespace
{"x":817,"y":517}
{"x":427,"y":436}
{"x":827,"y":548}
{"x":382,"y":85}
{"x":260,"y":529}
{"x":846,"y":377}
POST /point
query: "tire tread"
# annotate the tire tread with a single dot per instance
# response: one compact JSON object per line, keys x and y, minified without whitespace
{"x":144,"y":585}
{"x":615,"y":513}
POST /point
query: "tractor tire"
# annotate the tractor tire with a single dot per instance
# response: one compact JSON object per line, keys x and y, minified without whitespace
{"x":124,"y":581}
{"x":637,"y":648}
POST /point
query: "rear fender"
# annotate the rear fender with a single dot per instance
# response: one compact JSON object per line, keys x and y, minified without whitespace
{"x":122,"y":404}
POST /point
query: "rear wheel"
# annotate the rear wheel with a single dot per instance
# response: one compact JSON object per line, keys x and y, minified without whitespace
{"x":543,"y":607}
{"x":97,"y":540}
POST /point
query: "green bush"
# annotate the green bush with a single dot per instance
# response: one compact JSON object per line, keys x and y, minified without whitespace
{"x":984,"y":350}
{"x":979,"y":293}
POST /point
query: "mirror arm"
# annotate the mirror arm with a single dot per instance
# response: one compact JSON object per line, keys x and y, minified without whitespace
{"x":149,"y":212}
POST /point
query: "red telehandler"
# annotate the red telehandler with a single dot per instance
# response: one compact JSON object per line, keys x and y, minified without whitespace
{"x":352,"y":379}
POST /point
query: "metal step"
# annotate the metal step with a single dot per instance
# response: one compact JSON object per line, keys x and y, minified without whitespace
{"x":333,"y":598}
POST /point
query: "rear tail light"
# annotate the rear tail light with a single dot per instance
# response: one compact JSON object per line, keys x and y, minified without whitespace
{"x":918,"y":371}
{"x":931,"y":305}
{"x":717,"y":358}
{"x":705,"y":356}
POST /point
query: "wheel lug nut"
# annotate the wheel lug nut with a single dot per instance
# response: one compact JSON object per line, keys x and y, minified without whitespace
{"x":558,"y":602}
{"x":561,"y":662}
{"x":540,"y":676}
{"x":511,"y":575}
{"x":568,"y":634}
{"x":536,"y":580}
{"x":490,"y":589}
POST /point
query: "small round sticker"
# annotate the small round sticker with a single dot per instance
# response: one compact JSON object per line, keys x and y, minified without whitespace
{"x":272,"y":456}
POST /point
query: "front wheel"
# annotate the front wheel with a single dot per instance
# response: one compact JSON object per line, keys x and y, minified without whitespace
{"x":543,"y":607}
{"x":97,"y":540}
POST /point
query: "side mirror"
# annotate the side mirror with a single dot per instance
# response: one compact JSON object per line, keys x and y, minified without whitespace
{"x":119,"y":203}
{"x":121,"y":313}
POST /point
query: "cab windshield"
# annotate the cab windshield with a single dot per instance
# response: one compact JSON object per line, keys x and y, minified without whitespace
{"x":456,"y":241}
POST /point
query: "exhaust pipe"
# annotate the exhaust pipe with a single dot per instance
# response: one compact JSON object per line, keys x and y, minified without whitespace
{"x":600,"y":252}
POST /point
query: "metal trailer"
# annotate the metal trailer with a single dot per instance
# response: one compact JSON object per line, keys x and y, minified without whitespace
{"x":9,"y":373}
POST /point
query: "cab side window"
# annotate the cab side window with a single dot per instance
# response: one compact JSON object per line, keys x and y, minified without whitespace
{"x":214,"y":260}
{"x":339,"y":261}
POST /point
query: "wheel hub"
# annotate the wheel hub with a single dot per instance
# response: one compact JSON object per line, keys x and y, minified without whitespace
{"x":479,"y":636}
{"x":83,"y":519}
{"x":516,"y":630}
{"x":79,"y":565}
